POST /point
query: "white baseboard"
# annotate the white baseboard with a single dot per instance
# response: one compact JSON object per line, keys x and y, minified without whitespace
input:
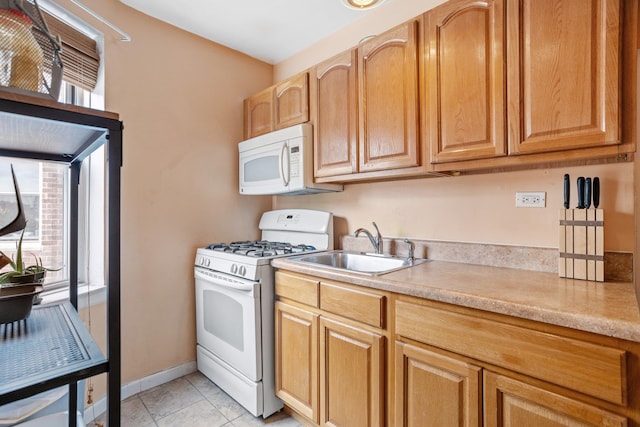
{"x":137,"y":386}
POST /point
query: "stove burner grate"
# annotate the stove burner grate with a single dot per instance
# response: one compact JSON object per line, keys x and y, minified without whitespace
{"x":260,"y":248}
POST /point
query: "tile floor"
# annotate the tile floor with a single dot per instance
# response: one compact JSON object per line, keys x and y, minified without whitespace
{"x":193,"y":401}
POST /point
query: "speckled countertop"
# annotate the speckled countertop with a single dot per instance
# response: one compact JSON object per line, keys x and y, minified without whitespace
{"x":608,"y":308}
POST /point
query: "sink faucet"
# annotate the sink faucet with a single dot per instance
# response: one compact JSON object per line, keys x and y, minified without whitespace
{"x":375,"y":241}
{"x":412,"y":248}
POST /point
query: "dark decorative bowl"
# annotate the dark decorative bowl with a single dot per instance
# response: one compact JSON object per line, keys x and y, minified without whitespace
{"x":30,"y":278}
{"x":16,"y":301}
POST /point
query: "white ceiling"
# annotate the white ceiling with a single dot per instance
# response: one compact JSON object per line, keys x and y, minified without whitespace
{"x":270,"y":30}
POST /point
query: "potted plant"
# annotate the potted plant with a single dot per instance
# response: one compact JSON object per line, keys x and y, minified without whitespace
{"x":20,"y":286}
{"x":20,"y":272}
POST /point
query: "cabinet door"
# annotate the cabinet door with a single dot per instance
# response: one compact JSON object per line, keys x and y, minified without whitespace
{"x":388,"y":100}
{"x":435,"y":390}
{"x":465,"y":94}
{"x":351,"y":376}
{"x":258,"y":113}
{"x":509,"y":402}
{"x":335,"y":96}
{"x":292,"y":101}
{"x":297,"y":359}
{"x":563,"y":60}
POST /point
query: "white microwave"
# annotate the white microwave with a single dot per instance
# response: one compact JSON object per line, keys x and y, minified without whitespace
{"x":280,"y":162}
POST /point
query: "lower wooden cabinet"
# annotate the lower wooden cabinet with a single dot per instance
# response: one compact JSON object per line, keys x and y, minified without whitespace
{"x":352,"y":364}
{"x":433,"y":390}
{"x":509,"y":402}
{"x":297,"y":359}
{"x":328,"y":368}
{"x":446,"y":365}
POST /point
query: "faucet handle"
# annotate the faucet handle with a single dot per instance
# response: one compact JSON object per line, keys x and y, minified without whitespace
{"x":412,"y":247}
{"x":376,"y":227}
{"x":378,"y":239}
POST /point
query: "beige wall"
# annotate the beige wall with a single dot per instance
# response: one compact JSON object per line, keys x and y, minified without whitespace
{"x":390,"y":14}
{"x":180,"y":98}
{"x":479,"y":208}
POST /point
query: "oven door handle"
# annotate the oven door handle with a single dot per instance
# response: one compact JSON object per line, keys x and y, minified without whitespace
{"x":236,"y":284}
{"x":285,"y":177}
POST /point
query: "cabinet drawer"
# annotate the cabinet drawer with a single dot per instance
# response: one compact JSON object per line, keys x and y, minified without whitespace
{"x":297,"y":288}
{"x":582,"y":366}
{"x":365,"y":307}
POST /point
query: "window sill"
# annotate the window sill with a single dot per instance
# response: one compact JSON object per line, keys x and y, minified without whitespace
{"x":88,"y":295}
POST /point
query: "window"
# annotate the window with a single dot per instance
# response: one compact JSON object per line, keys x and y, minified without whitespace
{"x":44,"y":185}
{"x":28,"y":174}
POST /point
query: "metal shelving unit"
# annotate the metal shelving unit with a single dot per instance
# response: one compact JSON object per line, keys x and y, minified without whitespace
{"x":38,"y":128}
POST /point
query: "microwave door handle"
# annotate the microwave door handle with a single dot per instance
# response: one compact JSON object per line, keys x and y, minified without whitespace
{"x":285,"y":177}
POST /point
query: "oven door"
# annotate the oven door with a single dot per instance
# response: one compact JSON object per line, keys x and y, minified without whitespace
{"x":265,"y":169}
{"x":228,"y":321}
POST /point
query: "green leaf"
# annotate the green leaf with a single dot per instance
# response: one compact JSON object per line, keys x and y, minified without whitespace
{"x":19,"y":266}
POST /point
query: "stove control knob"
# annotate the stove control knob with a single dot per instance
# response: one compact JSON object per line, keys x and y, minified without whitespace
{"x":201,"y":260}
{"x":234,"y":268}
{"x":242,"y":270}
{"x":207,"y":261}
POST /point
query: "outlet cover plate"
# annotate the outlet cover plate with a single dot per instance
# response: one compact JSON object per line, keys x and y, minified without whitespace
{"x":531,"y":199}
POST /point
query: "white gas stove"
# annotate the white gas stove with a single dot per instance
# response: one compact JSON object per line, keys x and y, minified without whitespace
{"x":284,"y":233}
{"x":235,"y":301}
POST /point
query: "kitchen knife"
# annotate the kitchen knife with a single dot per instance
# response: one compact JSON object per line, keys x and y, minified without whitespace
{"x":596,"y":192}
{"x":567,"y":190}
{"x":580,"y":193}
{"x":587,"y":193}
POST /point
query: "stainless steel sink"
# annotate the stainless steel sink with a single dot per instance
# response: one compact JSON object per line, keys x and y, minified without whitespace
{"x":356,"y":262}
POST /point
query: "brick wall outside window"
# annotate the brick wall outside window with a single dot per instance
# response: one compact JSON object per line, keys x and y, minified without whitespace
{"x":49,"y":247}
{"x":52,"y":227}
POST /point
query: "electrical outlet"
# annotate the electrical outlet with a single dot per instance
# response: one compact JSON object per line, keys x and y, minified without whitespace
{"x":531,"y":199}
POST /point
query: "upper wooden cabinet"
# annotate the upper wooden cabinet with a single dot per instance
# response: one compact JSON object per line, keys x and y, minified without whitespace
{"x":292,"y":101}
{"x":564,"y":67}
{"x":277,"y":107}
{"x":567,"y":91}
{"x":465,"y":86}
{"x":388,"y":100}
{"x":469,"y":85}
{"x":258,"y":114}
{"x":334,"y":93}
{"x":365,"y":109}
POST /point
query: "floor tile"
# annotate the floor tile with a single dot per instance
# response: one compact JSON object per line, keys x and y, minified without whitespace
{"x":200,"y":414}
{"x":276,"y":420}
{"x":170,"y":397}
{"x":222,"y":401}
{"x":191,"y":401}
{"x":133,"y":414}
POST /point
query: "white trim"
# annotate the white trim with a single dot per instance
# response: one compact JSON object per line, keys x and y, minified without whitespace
{"x":96,"y":294}
{"x":138,"y":386}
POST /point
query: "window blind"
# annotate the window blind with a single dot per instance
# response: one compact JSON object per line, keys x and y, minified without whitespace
{"x":79,"y":53}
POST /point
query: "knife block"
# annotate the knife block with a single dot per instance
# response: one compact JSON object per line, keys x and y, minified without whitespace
{"x":582,"y":244}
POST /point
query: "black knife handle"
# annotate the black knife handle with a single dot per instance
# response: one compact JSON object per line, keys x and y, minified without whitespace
{"x":567,"y":190}
{"x":587,"y":193}
{"x":581,"y":192}
{"x":596,"y":192}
